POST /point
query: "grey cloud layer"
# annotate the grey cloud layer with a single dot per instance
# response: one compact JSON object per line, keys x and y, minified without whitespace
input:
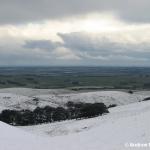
{"x":97,"y":51}
{"x":19,"y":11}
{"x":103,"y":46}
{"x":129,"y":45}
{"x":42,"y":44}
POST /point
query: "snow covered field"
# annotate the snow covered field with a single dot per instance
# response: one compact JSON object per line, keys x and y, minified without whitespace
{"x":23,"y":98}
{"x":123,"y":125}
{"x":127,"y":123}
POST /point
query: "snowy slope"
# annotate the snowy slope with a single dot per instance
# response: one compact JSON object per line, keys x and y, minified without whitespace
{"x":23,"y":98}
{"x":107,"y":97}
{"x":12,"y":138}
{"x":13,"y":101}
{"x":75,"y":126}
{"x":125,"y":124}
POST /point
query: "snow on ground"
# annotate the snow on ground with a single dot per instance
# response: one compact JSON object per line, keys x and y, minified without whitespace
{"x":75,"y":126}
{"x":12,"y":138}
{"x":107,"y":97}
{"x":23,"y":98}
{"x":124,"y":124}
{"x":13,"y":101}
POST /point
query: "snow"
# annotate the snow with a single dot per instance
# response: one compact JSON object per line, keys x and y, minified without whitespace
{"x":127,"y":123}
{"x":12,"y":101}
{"x":124,"y":124}
{"x":12,"y":138}
{"x":23,"y":98}
{"x":107,"y":97}
{"x":75,"y":126}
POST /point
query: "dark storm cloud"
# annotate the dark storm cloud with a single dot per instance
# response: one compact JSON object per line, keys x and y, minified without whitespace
{"x":20,"y":11}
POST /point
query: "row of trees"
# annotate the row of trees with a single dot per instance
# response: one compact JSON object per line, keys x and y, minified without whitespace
{"x":50,"y":114}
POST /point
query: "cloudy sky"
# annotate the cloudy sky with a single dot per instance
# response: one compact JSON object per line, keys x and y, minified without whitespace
{"x":74,"y":32}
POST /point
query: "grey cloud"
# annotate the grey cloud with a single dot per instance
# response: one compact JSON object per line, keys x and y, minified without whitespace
{"x":30,"y":57}
{"x":83,"y":42}
{"x":103,"y":50}
{"x":97,"y":50}
{"x":19,"y":56}
{"x":41,"y":44}
{"x":19,"y":11}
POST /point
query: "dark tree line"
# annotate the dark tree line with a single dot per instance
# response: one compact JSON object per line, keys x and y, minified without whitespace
{"x":50,"y":114}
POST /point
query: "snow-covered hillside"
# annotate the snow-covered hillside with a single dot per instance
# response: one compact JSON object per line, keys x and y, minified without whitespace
{"x":23,"y":98}
{"x":13,"y":101}
{"x":107,"y":97}
{"x":123,"y":125}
